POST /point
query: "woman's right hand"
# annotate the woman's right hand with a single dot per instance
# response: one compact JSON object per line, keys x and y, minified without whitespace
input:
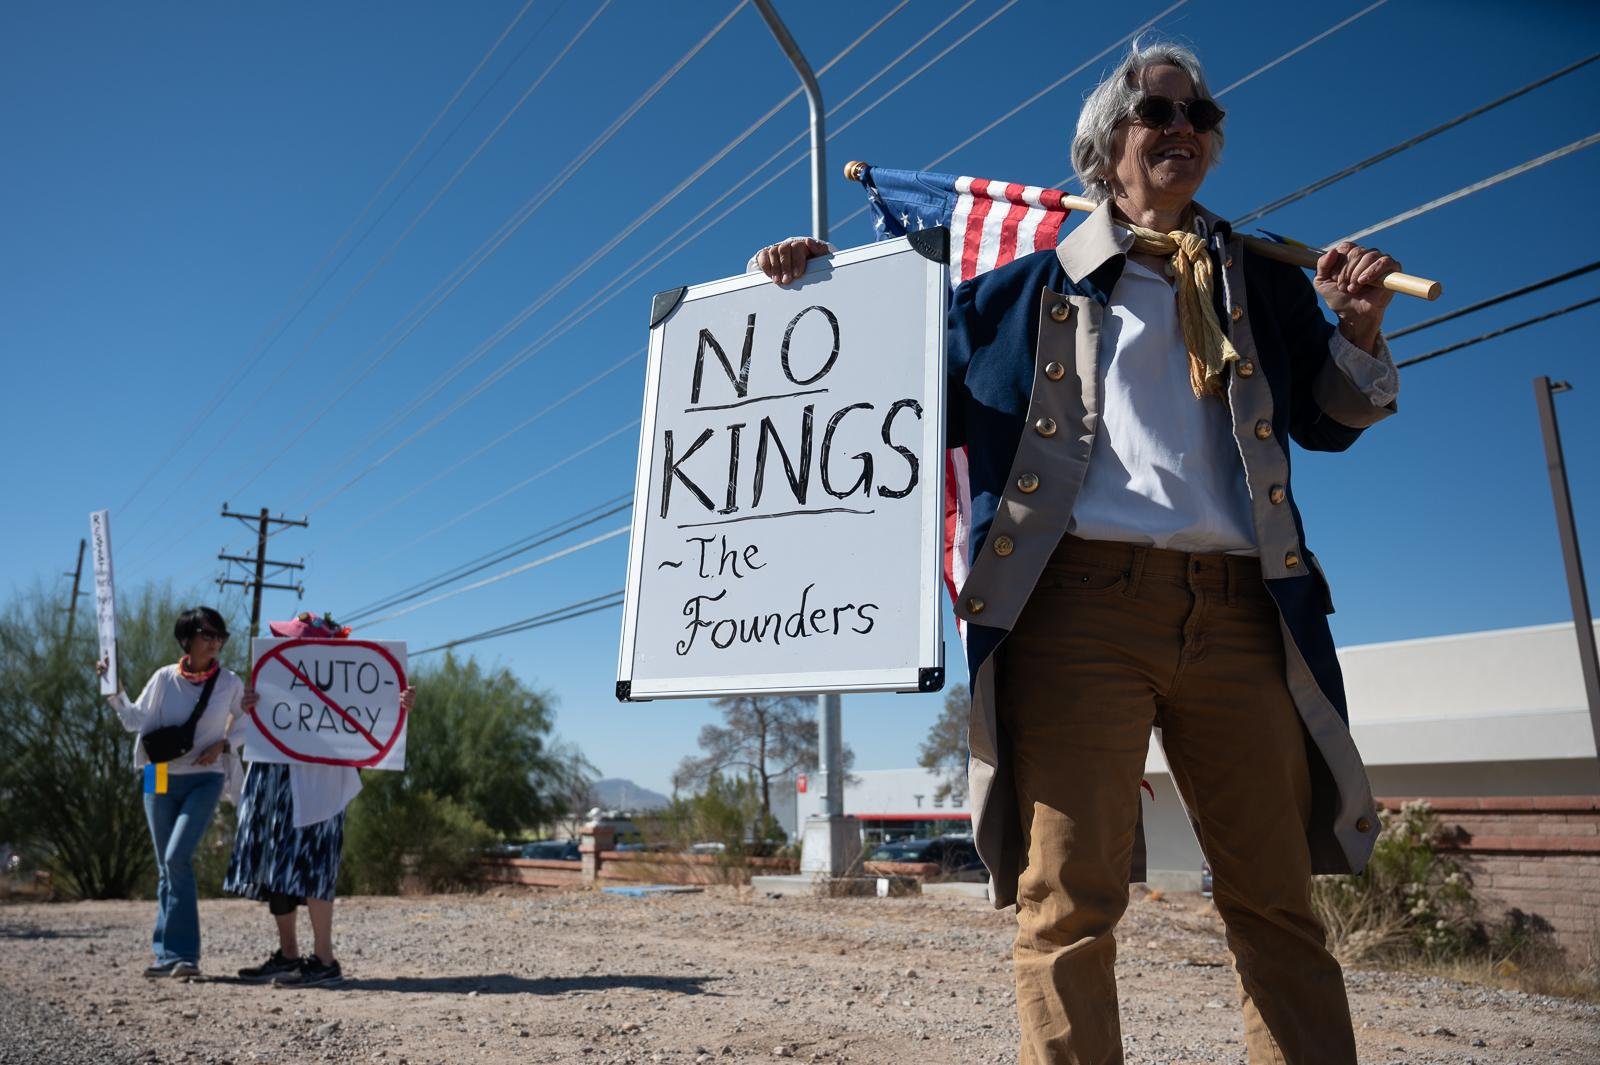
{"x":100,"y":669}
{"x":786,"y":260}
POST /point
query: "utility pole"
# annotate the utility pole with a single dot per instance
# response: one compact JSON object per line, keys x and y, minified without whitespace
{"x":77,"y":581}
{"x":1544,"y":392}
{"x":262,"y":522}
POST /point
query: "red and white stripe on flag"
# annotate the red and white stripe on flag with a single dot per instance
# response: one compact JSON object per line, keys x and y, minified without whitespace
{"x":992,"y":223}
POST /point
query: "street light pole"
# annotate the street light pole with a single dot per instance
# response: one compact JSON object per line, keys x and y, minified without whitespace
{"x":1544,"y":392}
{"x":819,"y":163}
{"x":830,"y":844}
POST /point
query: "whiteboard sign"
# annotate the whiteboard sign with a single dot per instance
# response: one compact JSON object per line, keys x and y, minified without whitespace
{"x":328,"y":702}
{"x":105,"y":598}
{"x":788,"y":508}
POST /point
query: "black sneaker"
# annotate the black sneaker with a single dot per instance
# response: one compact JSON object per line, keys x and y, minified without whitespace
{"x":185,"y":970}
{"x":312,"y":971}
{"x":277,"y":965}
{"x":161,"y":970}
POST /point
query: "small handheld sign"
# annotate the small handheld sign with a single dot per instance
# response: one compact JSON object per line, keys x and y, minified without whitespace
{"x":329,"y":702}
{"x":788,"y":510}
{"x":105,"y":598}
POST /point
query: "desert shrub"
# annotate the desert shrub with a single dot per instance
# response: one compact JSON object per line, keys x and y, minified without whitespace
{"x":1409,"y":900}
{"x":1413,"y":907}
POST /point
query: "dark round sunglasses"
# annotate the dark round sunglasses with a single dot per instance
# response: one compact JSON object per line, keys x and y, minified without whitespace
{"x":1157,"y":112}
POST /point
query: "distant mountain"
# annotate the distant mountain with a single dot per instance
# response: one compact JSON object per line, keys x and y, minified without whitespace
{"x":616,"y":793}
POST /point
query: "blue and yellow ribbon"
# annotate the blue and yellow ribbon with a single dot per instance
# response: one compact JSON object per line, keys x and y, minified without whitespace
{"x":155,"y":778}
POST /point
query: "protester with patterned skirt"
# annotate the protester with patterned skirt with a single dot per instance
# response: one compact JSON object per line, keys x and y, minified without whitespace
{"x":1137,"y":559}
{"x":181,"y":794}
{"x":291,"y":832}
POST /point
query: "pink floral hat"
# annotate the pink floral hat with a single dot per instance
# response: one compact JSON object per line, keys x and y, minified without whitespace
{"x":310,"y":626}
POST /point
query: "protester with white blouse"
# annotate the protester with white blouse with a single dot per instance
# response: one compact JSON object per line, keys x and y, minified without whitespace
{"x":181,"y":794}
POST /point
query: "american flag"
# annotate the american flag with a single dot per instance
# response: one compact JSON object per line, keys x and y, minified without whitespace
{"x":991,"y":223}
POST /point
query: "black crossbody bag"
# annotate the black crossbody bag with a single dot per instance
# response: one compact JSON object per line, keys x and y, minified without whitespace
{"x":172,"y":742}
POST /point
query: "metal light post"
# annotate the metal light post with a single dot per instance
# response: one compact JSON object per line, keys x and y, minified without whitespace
{"x":1544,"y":391}
{"x":819,"y":180}
{"x":830,"y":844}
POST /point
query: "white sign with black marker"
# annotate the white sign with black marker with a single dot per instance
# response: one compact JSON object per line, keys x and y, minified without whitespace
{"x":105,"y":598}
{"x":329,"y":702}
{"x":788,"y":509}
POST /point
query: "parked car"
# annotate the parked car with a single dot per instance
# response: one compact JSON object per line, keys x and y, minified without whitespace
{"x":956,"y":856}
{"x":555,"y":850}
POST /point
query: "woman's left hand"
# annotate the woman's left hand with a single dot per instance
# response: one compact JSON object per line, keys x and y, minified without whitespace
{"x":1350,"y":280}
{"x":408,"y":699}
{"x":210,"y":754}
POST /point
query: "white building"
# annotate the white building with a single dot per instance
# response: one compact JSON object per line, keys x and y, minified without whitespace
{"x":1476,"y":714}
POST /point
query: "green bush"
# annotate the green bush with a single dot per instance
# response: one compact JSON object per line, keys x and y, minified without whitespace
{"x":480,"y":767}
{"x":392,"y":832}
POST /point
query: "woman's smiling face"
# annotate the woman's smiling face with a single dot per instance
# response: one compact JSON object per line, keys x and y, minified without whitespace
{"x":1161,"y":168}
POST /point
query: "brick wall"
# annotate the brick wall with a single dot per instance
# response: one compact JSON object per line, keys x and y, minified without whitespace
{"x":1538,"y":854}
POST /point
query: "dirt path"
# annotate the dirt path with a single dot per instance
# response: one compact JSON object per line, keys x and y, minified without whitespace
{"x":713,"y":977}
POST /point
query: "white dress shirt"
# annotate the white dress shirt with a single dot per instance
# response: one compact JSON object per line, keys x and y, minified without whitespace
{"x":1165,"y":470}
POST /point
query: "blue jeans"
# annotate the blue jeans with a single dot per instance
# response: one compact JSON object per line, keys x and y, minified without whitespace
{"x":178,"y":820}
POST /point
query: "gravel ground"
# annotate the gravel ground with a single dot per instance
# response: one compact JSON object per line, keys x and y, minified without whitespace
{"x":717,"y":977}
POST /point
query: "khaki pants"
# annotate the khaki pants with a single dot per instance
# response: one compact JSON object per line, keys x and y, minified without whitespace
{"x":1117,"y":639}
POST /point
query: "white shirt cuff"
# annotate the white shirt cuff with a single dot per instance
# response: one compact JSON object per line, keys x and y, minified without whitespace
{"x":1374,"y":374}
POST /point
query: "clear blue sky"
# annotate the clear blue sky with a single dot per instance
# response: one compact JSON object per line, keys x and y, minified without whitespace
{"x":174,"y":173}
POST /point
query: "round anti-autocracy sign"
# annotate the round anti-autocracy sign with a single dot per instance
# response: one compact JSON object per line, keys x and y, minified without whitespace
{"x":329,"y":702}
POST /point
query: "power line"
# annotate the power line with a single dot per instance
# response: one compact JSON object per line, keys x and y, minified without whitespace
{"x":1041,"y":93}
{"x":1411,"y":142}
{"x":273,"y":330}
{"x":519,"y":486}
{"x":554,"y":531}
{"x":569,"y":277}
{"x":509,"y":227}
{"x":1434,"y":354}
{"x":1478,"y":186}
{"x":1492,"y":300}
{"x":1074,"y":72}
{"x":556,"y":183}
{"x":1291,"y":53}
{"x":506,"y":574}
{"x":373,"y":515}
{"x":566,"y":613}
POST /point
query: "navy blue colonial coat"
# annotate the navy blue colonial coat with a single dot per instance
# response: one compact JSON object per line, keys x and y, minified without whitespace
{"x":1026,"y":342}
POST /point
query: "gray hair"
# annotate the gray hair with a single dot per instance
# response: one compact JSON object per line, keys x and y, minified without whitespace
{"x":1112,"y":101}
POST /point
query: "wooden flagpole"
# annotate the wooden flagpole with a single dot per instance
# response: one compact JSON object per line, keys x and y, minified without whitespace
{"x":1293,"y":253}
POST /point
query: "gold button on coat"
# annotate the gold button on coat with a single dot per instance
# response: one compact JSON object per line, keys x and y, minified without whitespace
{"x":1237,"y":312}
{"x":1061,"y":311}
{"x":1363,"y":824}
{"x":1055,"y":371}
{"x":1045,"y":426}
{"x":1003,"y":546}
{"x":974,"y":605}
{"x":1247,"y":369}
{"x":1263,"y":429}
{"x":1291,"y":560}
{"x":1028,"y":483}
{"x":1277,"y":494}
